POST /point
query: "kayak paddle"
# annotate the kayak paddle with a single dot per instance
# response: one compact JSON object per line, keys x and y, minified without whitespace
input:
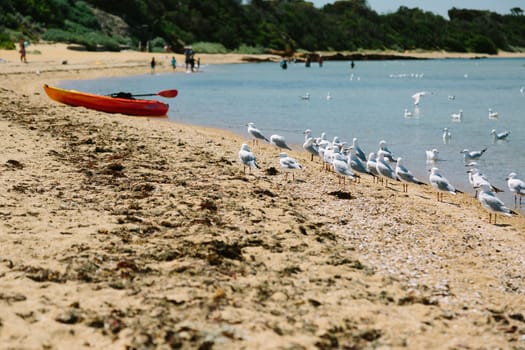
{"x":163,"y":93}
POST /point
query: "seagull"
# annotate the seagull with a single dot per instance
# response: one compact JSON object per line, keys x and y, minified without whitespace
{"x":309,"y":144}
{"x":356,"y":164}
{"x":405,"y":175}
{"x":451,"y":97}
{"x":256,"y":133}
{"x":383,"y":168}
{"x":408,"y":114}
{"x":247,"y":158}
{"x":500,"y":136}
{"x":305,"y":97}
{"x":440,"y":183}
{"x":472,"y":155}
{"x":388,"y":154}
{"x":417,"y":96}
{"x":446,"y":135}
{"x":457,"y":116}
{"x":491,"y":203}
{"x":493,"y":115}
{"x":432,"y":155}
{"x":328,"y":97}
{"x":288,"y":164}
{"x":516,"y":186}
{"x":279,"y":141}
{"x":478,"y":179}
{"x":371,"y":165}
{"x":358,"y":151}
{"x":340,"y":165}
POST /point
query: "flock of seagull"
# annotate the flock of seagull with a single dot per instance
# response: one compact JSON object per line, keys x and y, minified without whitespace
{"x":351,"y":161}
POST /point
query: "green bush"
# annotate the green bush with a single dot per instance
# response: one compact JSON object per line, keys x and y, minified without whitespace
{"x":5,"y":41}
{"x":250,"y":50}
{"x":206,"y":47}
{"x":482,"y":44}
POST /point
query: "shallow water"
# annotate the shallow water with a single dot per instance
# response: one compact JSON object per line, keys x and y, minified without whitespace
{"x":367,"y":102}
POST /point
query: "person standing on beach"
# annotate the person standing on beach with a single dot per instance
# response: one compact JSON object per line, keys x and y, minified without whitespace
{"x":22,"y":51}
{"x":173,"y":62}
{"x":152,"y":64}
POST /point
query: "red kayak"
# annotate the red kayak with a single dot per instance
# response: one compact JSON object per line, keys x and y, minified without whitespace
{"x":108,"y":104}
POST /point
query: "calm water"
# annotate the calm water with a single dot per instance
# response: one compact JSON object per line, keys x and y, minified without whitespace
{"x":368,"y":102}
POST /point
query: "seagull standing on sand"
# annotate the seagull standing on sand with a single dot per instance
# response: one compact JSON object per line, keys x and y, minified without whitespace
{"x":440,"y":183}
{"x":477,"y":179}
{"x":383,"y":168}
{"x":500,"y":136}
{"x":387,"y":153}
{"x":491,"y":203}
{"x":247,"y":158}
{"x":288,"y":164}
{"x":340,"y":165}
{"x":516,"y":186}
{"x":358,"y":151}
{"x":472,"y":155}
{"x":405,"y":175}
{"x":309,"y":144}
{"x":256,"y":133}
{"x":446,"y":135}
{"x":432,"y":155}
{"x":371,"y":165}
{"x":279,"y":142}
{"x":356,"y":164}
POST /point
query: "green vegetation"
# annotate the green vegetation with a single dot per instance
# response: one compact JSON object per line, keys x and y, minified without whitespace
{"x":233,"y":26}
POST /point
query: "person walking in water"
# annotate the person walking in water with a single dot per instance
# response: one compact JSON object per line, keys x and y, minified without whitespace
{"x":153,"y":64}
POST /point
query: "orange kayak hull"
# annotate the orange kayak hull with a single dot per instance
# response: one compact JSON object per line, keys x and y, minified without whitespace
{"x":107,"y":104}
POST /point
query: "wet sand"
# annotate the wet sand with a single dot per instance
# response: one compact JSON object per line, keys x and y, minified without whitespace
{"x":120,"y":232}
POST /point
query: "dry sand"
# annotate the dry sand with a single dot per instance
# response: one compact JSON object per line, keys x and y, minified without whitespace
{"x":114,"y":235}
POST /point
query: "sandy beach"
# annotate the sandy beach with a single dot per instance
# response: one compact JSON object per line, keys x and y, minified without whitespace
{"x":122,"y":232}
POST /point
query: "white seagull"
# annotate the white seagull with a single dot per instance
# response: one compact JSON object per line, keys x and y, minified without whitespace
{"x":288,"y":164}
{"x":500,"y":136}
{"x":491,"y":203}
{"x":383,"y":168}
{"x":356,"y":164}
{"x":440,"y":183}
{"x":305,"y":97}
{"x":371,"y":165}
{"x":477,"y":179}
{"x":446,"y":135}
{"x":516,"y":186}
{"x":256,"y":133}
{"x":408,"y":114}
{"x":492,"y":114}
{"x":279,"y":142}
{"x":247,"y":158}
{"x":387,"y":153}
{"x":432,"y":155}
{"x":310,"y":145}
{"x":340,"y":165}
{"x":358,"y":151}
{"x":472,"y":155}
{"x":417,"y":96}
{"x":457,"y":116}
{"x":405,"y":175}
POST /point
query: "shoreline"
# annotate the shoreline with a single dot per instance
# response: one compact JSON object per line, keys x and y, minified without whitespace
{"x":129,"y":232}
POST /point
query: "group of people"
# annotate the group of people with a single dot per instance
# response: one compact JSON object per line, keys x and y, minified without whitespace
{"x":191,"y":62}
